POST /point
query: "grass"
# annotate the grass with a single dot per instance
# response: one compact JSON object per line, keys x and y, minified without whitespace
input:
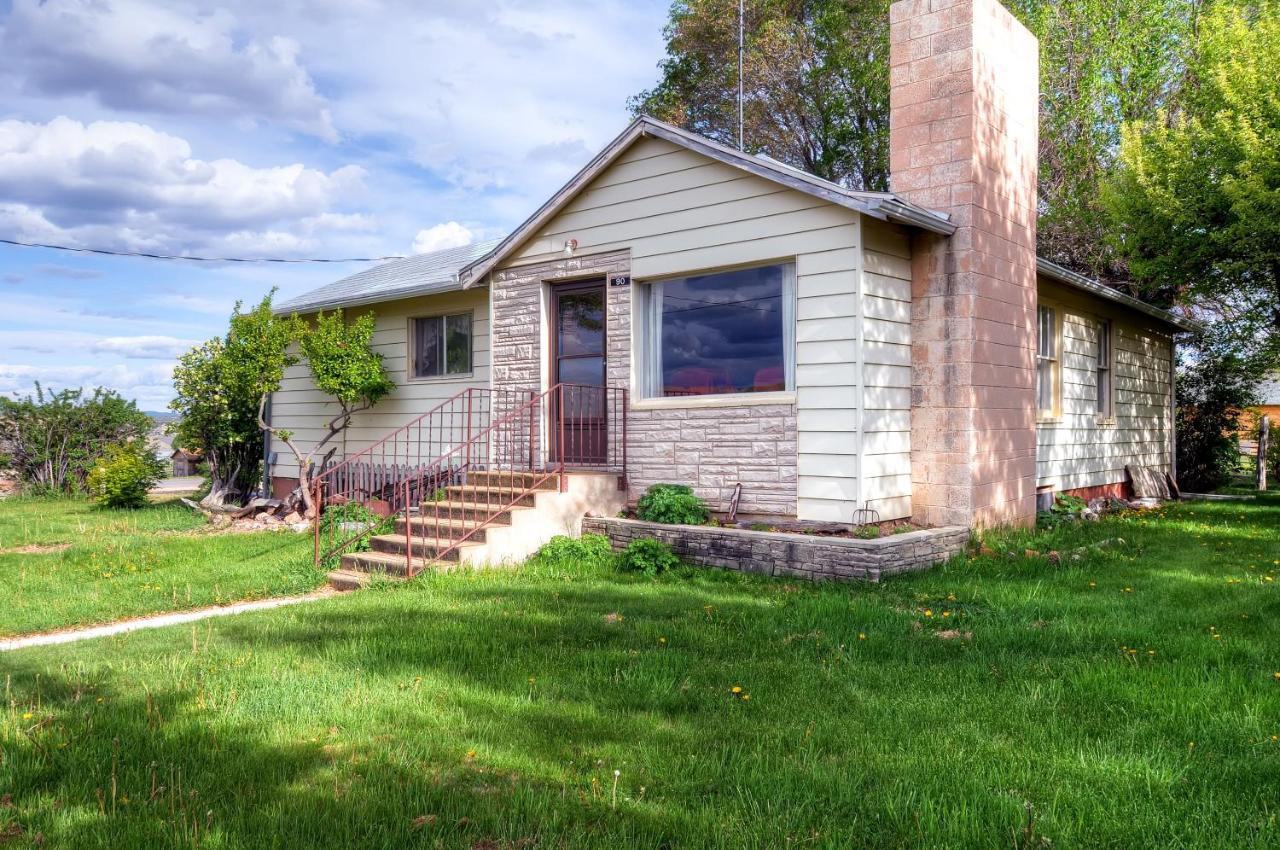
{"x":64,"y":562}
{"x":1128,"y":699}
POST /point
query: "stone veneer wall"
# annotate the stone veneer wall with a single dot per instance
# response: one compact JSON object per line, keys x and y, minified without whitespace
{"x":710,"y":449}
{"x":791,"y":555}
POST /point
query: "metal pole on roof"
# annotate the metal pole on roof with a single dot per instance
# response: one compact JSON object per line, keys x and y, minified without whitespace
{"x":741,"y":58}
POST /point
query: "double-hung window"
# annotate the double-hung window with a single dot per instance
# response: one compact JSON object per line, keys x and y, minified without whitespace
{"x":440,"y":346}
{"x":1106,"y":408}
{"x":724,"y":333}
{"x":1047,"y":371}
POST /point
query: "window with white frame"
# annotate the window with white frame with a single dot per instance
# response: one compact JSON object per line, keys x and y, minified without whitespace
{"x":440,"y":346}
{"x":722,"y":333}
{"x":1047,"y":371}
{"x":1105,"y":407}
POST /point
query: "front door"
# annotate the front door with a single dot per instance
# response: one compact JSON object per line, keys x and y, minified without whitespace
{"x":579,"y":346}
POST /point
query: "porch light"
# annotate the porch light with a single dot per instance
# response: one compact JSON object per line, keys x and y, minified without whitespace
{"x":570,"y":245}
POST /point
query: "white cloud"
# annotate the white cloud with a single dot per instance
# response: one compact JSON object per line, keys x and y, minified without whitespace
{"x":163,"y":58}
{"x":150,"y":385}
{"x":127,"y":185}
{"x":450,"y":234}
{"x":143,"y":347}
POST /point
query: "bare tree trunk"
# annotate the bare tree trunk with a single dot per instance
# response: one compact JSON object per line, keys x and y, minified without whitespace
{"x":1264,"y":438}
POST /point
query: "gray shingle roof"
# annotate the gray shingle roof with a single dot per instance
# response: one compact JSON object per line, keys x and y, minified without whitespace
{"x":424,"y":274}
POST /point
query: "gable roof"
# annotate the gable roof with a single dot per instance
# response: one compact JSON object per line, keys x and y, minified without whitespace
{"x":1055,"y":272}
{"x":882,"y":205}
{"x":423,"y":274}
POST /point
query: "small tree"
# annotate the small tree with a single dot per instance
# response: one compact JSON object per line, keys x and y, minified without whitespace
{"x":50,"y":440}
{"x":343,"y":365}
{"x":218,"y":388}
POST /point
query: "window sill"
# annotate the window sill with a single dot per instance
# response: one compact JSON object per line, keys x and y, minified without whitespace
{"x":727,"y":400}
{"x":442,"y":379}
{"x":1050,"y":421}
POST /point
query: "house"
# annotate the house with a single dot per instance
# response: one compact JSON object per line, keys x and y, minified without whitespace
{"x":787,"y":346}
{"x":186,"y":462}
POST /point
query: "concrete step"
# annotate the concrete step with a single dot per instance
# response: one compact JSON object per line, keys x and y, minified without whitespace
{"x":445,"y":526}
{"x":514,"y":480}
{"x":464,"y":510}
{"x":429,"y":548}
{"x":348,"y":580}
{"x":391,"y":565}
{"x":494,"y":496}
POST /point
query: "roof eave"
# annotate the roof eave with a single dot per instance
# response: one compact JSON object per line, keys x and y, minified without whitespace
{"x":435,"y":288}
{"x":1055,"y":272}
{"x":877,"y":205}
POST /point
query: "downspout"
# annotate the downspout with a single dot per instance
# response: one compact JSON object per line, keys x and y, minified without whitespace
{"x":266,"y":448}
{"x":1173,"y":407}
{"x":859,"y":318}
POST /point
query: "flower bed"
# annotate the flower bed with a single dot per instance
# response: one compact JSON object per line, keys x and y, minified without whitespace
{"x":791,"y":555}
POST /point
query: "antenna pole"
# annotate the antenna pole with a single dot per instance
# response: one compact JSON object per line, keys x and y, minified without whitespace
{"x":741,"y":59}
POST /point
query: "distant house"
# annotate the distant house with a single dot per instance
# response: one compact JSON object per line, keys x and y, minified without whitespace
{"x":186,"y":462}
{"x":787,"y":346}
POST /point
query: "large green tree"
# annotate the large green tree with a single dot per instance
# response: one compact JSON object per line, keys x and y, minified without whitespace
{"x":816,"y":82}
{"x":1196,"y":201}
{"x":817,"y":93}
{"x":218,"y":387}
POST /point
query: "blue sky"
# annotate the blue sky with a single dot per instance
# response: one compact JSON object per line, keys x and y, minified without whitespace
{"x":327,"y":128}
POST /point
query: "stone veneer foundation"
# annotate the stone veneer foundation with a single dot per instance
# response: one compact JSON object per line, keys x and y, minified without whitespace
{"x":802,"y":556}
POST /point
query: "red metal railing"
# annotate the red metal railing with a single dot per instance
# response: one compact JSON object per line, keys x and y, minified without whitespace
{"x":469,"y":461}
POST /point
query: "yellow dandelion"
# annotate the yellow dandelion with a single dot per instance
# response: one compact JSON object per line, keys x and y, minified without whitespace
{"x":26,"y":715}
{"x":746,"y":697}
{"x":662,"y":640}
{"x":736,"y":689}
{"x":862,"y":635}
{"x":946,"y":613}
{"x":471,"y":754}
{"x":928,"y":612}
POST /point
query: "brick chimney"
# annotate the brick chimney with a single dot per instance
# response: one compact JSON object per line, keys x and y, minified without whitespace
{"x":963,"y":140}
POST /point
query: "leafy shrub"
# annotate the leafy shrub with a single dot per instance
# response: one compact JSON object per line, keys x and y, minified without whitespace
{"x":562,"y":551}
{"x":123,"y":475}
{"x":672,"y":504}
{"x":647,"y":556}
{"x":1065,"y":507}
{"x":51,"y":440}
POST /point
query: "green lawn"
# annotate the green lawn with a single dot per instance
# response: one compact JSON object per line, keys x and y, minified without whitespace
{"x":1129,"y":699}
{"x":64,"y":562}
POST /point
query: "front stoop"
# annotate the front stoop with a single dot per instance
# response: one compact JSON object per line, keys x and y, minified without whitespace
{"x":507,"y":538}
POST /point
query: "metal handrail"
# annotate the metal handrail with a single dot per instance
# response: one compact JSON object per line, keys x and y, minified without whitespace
{"x":464,"y":437}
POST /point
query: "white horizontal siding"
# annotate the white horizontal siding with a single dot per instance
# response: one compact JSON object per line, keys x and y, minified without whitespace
{"x":305,"y":410}
{"x":1079,"y":451}
{"x":678,"y":212}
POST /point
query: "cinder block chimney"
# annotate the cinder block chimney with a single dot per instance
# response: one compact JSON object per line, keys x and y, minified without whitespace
{"x":964,"y":110}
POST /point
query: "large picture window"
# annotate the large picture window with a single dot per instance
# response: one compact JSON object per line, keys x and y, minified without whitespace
{"x":441,"y":346}
{"x":724,"y":333}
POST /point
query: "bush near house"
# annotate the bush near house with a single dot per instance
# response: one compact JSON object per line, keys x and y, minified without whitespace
{"x":672,"y":504}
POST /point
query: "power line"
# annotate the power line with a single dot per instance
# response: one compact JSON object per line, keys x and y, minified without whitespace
{"x":149,"y":256}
